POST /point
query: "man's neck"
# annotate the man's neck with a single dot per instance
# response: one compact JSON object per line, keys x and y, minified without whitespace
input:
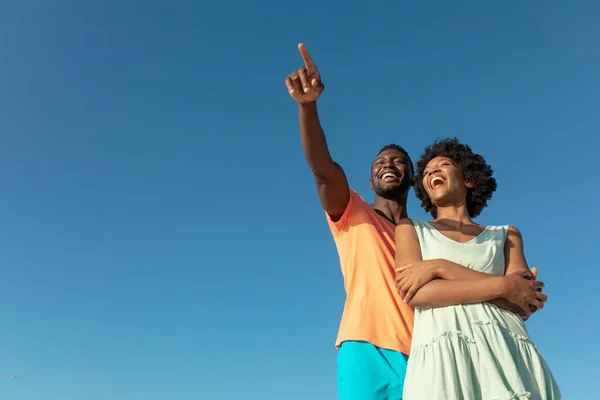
{"x":393,"y":210}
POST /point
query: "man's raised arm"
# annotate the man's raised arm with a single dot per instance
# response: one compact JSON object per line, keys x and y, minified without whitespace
{"x":305,"y":86}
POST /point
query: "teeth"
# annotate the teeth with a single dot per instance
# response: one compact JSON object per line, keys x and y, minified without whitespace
{"x":436,"y":179}
{"x":388,"y":175}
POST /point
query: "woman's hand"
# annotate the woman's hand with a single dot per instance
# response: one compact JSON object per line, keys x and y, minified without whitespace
{"x":411,"y":277}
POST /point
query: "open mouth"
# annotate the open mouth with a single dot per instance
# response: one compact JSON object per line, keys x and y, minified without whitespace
{"x":390,"y":176}
{"x":436,"y":182}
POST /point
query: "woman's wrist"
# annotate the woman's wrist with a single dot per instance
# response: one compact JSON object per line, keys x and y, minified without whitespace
{"x":437,"y":268}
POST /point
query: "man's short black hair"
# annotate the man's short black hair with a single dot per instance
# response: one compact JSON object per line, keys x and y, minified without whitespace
{"x":473,"y":166}
{"x":394,"y":146}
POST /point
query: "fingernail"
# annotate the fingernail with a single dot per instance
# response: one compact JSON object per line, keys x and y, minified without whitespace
{"x":314,"y":82}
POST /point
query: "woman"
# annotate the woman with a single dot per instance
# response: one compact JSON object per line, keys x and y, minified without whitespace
{"x":466,"y":347}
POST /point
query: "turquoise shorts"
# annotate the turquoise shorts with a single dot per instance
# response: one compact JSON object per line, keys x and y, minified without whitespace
{"x":368,"y":372}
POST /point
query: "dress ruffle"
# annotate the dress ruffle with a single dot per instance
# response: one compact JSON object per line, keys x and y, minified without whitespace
{"x":489,"y":363}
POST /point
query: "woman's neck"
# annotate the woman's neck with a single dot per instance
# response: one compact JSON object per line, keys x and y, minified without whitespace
{"x":454,"y":216}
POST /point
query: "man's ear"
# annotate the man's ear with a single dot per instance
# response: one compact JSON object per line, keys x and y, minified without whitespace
{"x":371,"y":183}
{"x":469,"y":185}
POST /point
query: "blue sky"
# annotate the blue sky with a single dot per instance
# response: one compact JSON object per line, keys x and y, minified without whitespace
{"x":161,"y":237}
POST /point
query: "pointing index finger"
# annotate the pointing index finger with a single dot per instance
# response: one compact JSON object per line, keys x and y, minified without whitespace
{"x":306,"y":56}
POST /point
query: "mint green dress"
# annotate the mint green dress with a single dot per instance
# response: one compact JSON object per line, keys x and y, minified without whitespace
{"x":473,"y":351}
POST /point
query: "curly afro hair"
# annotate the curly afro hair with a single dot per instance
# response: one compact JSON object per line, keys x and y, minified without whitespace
{"x":474,"y":167}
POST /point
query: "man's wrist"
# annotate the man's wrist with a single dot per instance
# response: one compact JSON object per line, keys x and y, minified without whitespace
{"x":309,"y":106}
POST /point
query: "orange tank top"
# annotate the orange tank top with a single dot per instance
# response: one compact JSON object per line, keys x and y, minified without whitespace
{"x":373,"y":311}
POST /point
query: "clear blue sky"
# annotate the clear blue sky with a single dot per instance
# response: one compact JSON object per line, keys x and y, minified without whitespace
{"x":161,"y":237}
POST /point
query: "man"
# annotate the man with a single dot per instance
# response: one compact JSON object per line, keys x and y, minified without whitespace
{"x":376,"y":327}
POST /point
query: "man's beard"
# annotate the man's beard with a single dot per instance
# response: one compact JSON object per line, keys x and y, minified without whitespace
{"x":395,"y":192}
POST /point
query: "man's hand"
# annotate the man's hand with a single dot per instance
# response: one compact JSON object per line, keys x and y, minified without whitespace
{"x":524,"y":291}
{"x":507,"y":305}
{"x":411,"y":277}
{"x":304,"y":85}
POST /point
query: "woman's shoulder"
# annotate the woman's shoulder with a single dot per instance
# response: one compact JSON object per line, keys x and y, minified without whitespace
{"x":504,"y":228}
{"x":496,"y":227}
{"x":409,"y":223}
{"x":503,"y":233}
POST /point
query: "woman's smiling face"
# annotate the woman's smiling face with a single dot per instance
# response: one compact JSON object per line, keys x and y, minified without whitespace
{"x":444,"y":181}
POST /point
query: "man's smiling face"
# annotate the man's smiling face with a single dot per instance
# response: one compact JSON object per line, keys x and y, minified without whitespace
{"x":391,"y":174}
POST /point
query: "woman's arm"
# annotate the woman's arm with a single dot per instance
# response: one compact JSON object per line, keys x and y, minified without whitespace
{"x":444,"y":269}
{"x":515,"y":262}
{"x":441,"y":293}
{"x":437,"y":292}
{"x":514,"y":256}
{"x":469,"y":288}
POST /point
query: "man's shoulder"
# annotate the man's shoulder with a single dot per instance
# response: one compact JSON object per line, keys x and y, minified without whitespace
{"x":357,"y":213}
{"x":358,"y":201}
{"x":360,"y":207}
{"x":356,"y":195}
